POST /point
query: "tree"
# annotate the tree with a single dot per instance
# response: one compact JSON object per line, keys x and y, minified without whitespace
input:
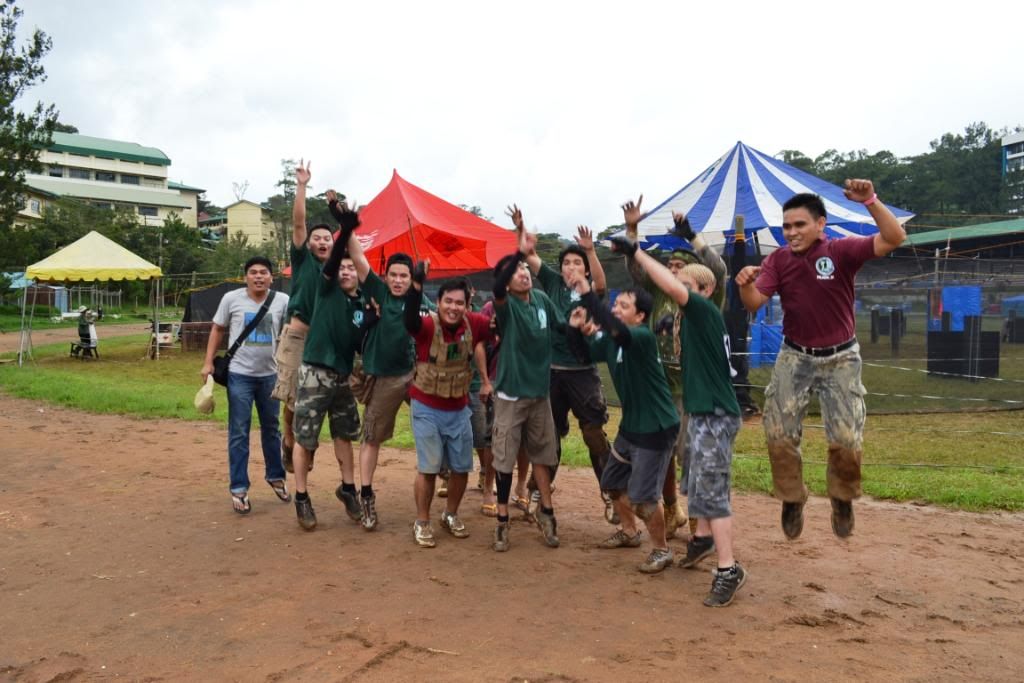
{"x":22,"y":135}
{"x":60,"y":127}
{"x":476,"y":211}
{"x":230,"y":256}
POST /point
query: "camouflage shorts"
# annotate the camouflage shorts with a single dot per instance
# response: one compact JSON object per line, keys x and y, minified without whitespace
{"x":709,"y":470}
{"x":321,"y":393}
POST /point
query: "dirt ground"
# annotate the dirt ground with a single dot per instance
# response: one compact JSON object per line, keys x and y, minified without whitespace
{"x":121,"y":557}
{"x":10,"y":339}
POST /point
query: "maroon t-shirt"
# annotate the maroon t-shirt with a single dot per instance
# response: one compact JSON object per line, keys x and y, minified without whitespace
{"x":480,"y":325}
{"x":816,"y":288}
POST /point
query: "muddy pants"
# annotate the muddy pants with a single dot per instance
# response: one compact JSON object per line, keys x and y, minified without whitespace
{"x":836,"y":381}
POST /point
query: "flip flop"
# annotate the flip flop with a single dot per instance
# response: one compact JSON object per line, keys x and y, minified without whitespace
{"x":520,"y":502}
{"x":281,"y":491}
{"x":489,"y":509}
{"x":240,"y":503}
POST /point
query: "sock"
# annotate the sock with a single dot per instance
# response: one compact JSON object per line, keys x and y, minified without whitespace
{"x":366,"y":491}
{"x":302,"y":495}
{"x":348,"y":488}
{"x":502,"y":519}
{"x":547,"y":511}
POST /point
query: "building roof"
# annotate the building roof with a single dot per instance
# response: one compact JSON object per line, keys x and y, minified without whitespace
{"x":108,"y":192}
{"x":107,"y":149}
{"x":996,"y":229}
{"x":216,"y":218}
{"x":171,"y":185}
{"x":264,"y":206}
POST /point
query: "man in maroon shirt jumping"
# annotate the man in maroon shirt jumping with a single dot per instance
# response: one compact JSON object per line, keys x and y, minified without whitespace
{"x":814,"y":278}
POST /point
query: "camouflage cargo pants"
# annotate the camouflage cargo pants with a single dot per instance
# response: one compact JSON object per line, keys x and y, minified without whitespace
{"x":836,"y":381}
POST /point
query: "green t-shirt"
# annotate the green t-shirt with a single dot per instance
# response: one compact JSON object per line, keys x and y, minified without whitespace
{"x":332,"y":337}
{"x":305,"y":282}
{"x":639,"y":379}
{"x":707,"y":375}
{"x":526,"y":328}
{"x":565,"y":299}
{"x":389,"y":350}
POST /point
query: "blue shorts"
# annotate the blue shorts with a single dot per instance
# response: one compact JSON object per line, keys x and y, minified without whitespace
{"x":443,"y":438}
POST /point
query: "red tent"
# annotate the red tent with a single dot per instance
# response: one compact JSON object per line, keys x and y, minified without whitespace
{"x":406,"y":218}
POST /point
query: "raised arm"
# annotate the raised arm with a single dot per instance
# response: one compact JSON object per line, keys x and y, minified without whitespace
{"x":661,"y":276}
{"x":355,"y":249}
{"x":890,"y":233}
{"x":527,"y":243}
{"x":585,"y":238}
{"x":302,"y":176}
{"x":532,"y":259}
{"x":349,"y":222}
{"x":631,"y":215}
{"x":602,"y":316}
{"x":705,"y":254}
{"x":414,"y":299}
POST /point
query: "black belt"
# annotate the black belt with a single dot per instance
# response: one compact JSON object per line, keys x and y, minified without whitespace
{"x":820,"y":351}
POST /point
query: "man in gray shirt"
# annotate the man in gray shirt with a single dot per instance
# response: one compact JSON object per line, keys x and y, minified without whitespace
{"x":251,"y":377}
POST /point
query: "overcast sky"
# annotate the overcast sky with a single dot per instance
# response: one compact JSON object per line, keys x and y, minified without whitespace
{"x":567,"y":108}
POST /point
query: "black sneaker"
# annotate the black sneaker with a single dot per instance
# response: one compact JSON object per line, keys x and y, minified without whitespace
{"x":304,"y":511}
{"x":725,"y":585}
{"x":842,"y":517}
{"x":792,"y":519}
{"x":350,"y":500}
{"x":697,"y":548}
{"x":369,"y":507}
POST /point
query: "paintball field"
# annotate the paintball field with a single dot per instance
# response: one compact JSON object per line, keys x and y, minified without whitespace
{"x":120,"y":557}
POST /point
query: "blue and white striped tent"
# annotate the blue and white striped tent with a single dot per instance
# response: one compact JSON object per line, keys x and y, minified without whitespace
{"x":750,"y":183}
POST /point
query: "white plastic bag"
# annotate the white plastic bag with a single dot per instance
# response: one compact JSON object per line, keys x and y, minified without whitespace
{"x":204,"y":397}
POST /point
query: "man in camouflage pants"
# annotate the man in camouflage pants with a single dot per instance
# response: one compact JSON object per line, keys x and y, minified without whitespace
{"x":814,"y":277}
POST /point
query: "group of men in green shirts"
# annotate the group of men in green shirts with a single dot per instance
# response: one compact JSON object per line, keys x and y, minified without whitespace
{"x":551,"y":338}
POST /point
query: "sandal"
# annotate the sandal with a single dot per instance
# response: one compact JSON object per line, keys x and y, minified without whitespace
{"x":240,"y":503}
{"x":489,"y":509}
{"x":280,"y":490}
{"x":521,"y":502}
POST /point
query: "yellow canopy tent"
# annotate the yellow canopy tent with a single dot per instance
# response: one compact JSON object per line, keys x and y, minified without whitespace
{"x":93,"y":258}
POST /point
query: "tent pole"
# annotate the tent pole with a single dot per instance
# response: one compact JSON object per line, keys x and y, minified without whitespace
{"x":412,"y":236}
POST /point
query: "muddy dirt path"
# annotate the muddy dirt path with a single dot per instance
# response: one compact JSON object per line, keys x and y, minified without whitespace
{"x":120,"y":556}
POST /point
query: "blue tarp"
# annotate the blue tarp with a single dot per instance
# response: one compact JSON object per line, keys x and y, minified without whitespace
{"x":1014,"y":303}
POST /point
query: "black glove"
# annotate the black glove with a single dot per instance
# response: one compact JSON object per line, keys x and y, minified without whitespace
{"x":623,"y":245}
{"x":682,"y":229}
{"x":370,"y":316}
{"x":347,"y":218}
{"x":665,"y":324}
{"x":419,"y":273}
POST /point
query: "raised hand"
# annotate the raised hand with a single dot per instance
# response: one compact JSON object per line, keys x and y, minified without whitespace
{"x":623,"y":245}
{"x":681,"y":226}
{"x":578,"y":317}
{"x":516,"y":215}
{"x":858,"y":190}
{"x":631,"y":213}
{"x":302,"y":174}
{"x":419,"y":273}
{"x":580,"y":284}
{"x":584,"y":238}
{"x":747,"y":275}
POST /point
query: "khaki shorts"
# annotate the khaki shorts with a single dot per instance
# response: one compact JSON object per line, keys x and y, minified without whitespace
{"x":290,"y":346}
{"x":382,"y":404}
{"x":526,"y":422}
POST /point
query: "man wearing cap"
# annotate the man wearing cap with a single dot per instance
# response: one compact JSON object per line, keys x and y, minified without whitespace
{"x":575,"y":386}
{"x":814,"y":278}
{"x":666,"y":321}
{"x":388,"y":355}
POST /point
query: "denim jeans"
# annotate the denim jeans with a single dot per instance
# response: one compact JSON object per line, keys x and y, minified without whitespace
{"x":243,"y":391}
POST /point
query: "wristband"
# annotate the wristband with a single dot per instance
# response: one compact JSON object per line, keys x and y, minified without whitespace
{"x":874,"y":198}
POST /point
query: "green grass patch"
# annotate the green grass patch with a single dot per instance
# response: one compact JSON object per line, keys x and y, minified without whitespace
{"x":957,"y":460}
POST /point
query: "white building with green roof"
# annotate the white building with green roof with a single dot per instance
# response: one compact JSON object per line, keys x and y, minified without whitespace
{"x":109,"y":174}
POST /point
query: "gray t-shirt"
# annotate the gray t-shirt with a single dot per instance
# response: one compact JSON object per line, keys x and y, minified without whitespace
{"x":255,"y":357}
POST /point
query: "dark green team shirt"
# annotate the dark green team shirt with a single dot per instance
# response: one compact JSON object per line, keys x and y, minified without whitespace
{"x":334,"y":331}
{"x":707,"y":375}
{"x":389,"y":350}
{"x":526,"y":328}
{"x":639,"y":379}
{"x":305,"y":282}
{"x":565,"y":299}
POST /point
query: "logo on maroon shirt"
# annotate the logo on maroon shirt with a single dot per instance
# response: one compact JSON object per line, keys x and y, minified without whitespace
{"x":825,"y":267}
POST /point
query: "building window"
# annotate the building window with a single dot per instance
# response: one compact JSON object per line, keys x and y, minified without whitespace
{"x":106,"y":176}
{"x":103,"y":205}
{"x":56,"y":171}
{"x":129,"y":179}
{"x":148,"y":211}
{"x":79,"y":173}
{"x":34,"y":206}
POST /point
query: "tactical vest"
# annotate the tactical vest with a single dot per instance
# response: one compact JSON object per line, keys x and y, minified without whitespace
{"x":440,"y":375}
